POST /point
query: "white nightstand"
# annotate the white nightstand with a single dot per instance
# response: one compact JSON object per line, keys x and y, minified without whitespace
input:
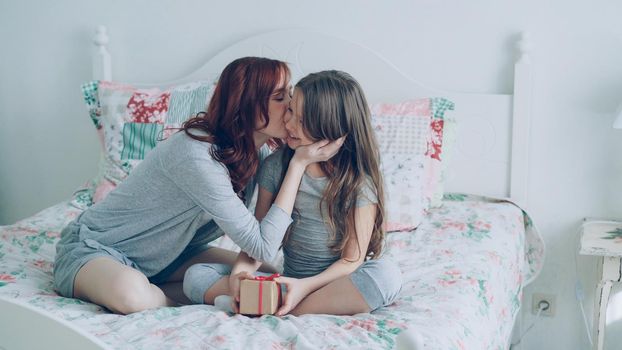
{"x":603,"y":238}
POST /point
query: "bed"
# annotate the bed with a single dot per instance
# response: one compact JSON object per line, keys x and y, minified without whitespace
{"x":464,"y":266}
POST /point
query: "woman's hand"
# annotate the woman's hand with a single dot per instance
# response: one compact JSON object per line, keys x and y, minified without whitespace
{"x":297,"y":290}
{"x":319,"y":151}
{"x":234,"y":288}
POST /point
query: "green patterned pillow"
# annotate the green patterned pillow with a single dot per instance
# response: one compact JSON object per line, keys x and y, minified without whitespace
{"x":130,"y":121}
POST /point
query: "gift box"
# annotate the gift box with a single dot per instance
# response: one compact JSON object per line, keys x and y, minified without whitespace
{"x":260,"y":296}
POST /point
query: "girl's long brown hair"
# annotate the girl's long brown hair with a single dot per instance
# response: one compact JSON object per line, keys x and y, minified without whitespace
{"x":333,"y":106}
{"x":241,"y":95}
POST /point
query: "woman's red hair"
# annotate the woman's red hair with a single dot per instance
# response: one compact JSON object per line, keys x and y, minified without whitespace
{"x":241,"y":95}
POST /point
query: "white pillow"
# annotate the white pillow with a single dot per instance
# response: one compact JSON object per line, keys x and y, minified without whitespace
{"x":402,"y":141}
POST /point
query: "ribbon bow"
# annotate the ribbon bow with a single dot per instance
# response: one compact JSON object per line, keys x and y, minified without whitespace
{"x":267,"y":278}
{"x":261,"y":279}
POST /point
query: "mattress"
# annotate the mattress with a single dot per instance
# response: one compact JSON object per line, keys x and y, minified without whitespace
{"x":464,"y":271}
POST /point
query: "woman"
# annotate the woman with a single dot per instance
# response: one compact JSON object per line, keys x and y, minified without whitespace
{"x":188,"y":191}
{"x":332,"y":261}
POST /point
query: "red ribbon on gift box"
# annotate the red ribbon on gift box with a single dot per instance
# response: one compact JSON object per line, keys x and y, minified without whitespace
{"x":261,"y":279}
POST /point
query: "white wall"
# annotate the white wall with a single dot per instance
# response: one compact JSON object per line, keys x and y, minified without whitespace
{"x":48,"y":146}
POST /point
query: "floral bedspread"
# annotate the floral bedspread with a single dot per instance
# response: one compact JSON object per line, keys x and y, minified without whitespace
{"x":464,"y":270}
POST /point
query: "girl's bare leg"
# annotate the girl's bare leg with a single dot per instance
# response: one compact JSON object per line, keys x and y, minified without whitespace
{"x":340,"y":297}
{"x":118,"y":287}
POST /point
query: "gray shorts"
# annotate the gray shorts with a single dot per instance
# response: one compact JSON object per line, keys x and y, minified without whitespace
{"x":379,"y":281}
{"x":73,"y":253}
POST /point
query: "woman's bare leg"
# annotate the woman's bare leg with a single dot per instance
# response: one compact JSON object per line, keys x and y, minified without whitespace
{"x":118,"y":287}
{"x":340,"y":297}
{"x":175,"y":291}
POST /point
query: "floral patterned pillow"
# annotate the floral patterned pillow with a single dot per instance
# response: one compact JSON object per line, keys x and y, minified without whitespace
{"x":410,"y":137}
{"x":130,"y":121}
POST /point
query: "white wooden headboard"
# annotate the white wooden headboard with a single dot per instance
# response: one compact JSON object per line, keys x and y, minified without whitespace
{"x":492,"y":142}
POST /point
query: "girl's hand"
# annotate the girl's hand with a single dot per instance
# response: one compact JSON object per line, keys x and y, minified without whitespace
{"x":297,"y":290}
{"x":234,"y":288}
{"x":319,"y":151}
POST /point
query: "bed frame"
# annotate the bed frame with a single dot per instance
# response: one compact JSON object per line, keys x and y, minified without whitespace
{"x":491,"y":156}
{"x":51,"y":332}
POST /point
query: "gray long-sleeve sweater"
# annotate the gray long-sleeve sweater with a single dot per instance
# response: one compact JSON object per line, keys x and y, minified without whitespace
{"x":179,"y":195}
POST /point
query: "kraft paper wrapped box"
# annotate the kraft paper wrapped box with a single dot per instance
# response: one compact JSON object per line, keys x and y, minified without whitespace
{"x":260,"y":296}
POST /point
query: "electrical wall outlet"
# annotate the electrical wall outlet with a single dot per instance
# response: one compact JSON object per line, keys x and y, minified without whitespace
{"x":538,"y":298}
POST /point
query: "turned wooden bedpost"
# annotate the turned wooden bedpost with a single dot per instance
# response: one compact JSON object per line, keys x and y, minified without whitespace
{"x":101,"y":57}
{"x":521,"y":122}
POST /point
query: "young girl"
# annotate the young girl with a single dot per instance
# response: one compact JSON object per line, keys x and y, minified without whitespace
{"x":331,"y":254}
{"x":185,"y":193}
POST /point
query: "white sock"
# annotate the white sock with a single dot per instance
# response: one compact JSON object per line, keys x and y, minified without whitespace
{"x":223,"y":303}
{"x":408,"y":340}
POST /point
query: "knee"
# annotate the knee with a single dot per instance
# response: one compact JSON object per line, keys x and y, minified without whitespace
{"x":199,"y":278}
{"x":132,"y":292}
{"x":392,"y":280}
{"x":192,"y":279}
{"x":389,"y":279}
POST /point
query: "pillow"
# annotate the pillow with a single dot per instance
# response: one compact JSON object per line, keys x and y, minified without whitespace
{"x":130,"y":121}
{"x":440,"y":145}
{"x":410,"y":137}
